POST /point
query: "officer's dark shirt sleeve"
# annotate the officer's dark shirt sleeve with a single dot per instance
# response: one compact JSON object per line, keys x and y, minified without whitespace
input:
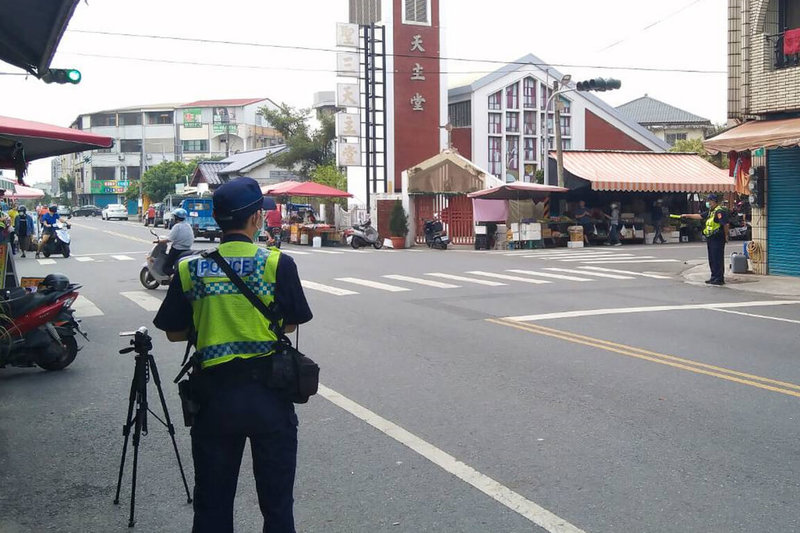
{"x":175,"y":313}
{"x":289,"y":293}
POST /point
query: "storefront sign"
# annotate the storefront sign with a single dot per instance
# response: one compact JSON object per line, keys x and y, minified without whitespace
{"x":347,"y":125}
{"x":220,"y":128}
{"x":193,"y":118}
{"x":109,"y":186}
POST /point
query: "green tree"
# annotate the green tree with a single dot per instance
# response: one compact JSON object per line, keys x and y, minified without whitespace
{"x":307,"y":148}
{"x":159,"y":180}
{"x":696,"y":146}
{"x":331,"y":176}
{"x":398,"y":220}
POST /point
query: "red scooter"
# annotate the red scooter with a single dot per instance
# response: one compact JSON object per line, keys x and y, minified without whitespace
{"x":39,"y":328}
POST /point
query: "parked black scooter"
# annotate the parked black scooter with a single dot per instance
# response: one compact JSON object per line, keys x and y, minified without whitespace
{"x":435,"y":237}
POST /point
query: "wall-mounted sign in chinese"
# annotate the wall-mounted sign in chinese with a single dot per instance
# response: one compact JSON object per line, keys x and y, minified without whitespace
{"x":193,"y":118}
{"x":347,"y":125}
{"x":347,"y":64}
{"x":348,"y":155}
{"x":417,"y":74}
{"x":109,"y":186}
{"x":347,"y":95}
{"x":220,"y":128}
{"x":224,"y":114}
{"x":347,"y":35}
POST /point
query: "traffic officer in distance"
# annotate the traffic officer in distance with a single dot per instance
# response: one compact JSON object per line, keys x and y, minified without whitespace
{"x":716,"y":233}
{"x":233,"y":342}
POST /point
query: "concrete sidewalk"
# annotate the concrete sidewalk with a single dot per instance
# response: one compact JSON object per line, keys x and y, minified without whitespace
{"x":786,"y":286}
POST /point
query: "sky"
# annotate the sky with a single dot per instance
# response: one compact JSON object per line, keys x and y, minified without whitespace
{"x":579,"y":37}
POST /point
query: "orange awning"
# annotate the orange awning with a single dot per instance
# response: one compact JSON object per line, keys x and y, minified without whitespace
{"x":647,"y":171}
{"x":757,"y":134}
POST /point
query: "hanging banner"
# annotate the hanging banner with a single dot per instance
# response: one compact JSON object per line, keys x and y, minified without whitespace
{"x":348,"y":125}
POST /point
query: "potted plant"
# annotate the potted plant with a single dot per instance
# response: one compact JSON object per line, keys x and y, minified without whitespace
{"x":398,"y":225}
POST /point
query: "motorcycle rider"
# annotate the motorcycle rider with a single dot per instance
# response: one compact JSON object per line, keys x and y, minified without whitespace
{"x":274,"y":223}
{"x":49,"y":220}
{"x":182,"y":238}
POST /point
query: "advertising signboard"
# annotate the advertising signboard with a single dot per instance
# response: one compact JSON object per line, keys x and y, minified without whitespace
{"x":109,"y":186}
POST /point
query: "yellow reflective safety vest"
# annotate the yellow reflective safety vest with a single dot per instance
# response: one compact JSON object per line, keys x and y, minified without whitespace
{"x":712,"y":227}
{"x":227,"y":324}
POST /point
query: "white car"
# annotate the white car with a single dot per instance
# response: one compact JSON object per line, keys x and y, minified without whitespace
{"x":117,"y":211}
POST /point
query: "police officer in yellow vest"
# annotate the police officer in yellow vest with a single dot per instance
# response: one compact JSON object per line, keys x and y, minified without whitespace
{"x":716,"y":233}
{"x":233,"y":343}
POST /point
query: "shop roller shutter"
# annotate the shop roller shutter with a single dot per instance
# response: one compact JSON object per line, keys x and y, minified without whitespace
{"x":783,"y":211}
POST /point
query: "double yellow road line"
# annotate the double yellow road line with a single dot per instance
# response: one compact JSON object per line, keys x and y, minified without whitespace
{"x":743,"y":378}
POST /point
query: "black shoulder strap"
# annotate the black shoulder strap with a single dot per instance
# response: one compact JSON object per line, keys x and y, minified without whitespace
{"x":268,"y":313}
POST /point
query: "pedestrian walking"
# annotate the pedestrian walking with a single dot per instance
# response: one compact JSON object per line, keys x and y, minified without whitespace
{"x":613,"y":221}
{"x":150,"y":217}
{"x":233,"y":342}
{"x":657,"y":218}
{"x":24,"y":228}
{"x":584,"y":218}
{"x":715,"y":230}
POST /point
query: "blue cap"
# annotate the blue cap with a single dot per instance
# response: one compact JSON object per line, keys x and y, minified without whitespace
{"x":712,"y":197}
{"x":240,"y":198}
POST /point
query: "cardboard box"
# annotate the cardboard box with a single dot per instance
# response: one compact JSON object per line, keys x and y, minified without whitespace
{"x":638,"y":234}
{"x":480,"y":230}
{"x":649,"y":238}
{"x":547,"y":233}
{"x":575,"y":244}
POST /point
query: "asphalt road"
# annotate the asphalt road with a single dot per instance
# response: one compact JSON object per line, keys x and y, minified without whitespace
{"x":615,"y":397}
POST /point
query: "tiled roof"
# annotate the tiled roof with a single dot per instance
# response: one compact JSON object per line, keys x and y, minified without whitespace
{"x":531,"y":60}
{"x":231,"y":102}
{"x":243,"y":160}
{"x":209,"y":172}
{"x":648,"y":111}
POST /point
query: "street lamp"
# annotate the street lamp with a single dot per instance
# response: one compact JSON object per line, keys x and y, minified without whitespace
{"x":557,"y":127}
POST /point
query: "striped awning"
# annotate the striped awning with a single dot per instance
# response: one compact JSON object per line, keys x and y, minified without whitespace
{"x":647,"y":171}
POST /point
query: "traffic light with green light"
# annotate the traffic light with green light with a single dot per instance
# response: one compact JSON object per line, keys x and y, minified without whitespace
{"x":599,"y":84}
{"x":62,"y":75}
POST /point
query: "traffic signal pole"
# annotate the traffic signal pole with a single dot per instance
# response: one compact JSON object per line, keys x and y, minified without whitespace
{"x":557,"y":128}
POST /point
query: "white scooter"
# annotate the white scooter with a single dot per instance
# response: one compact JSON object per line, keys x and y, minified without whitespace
{"x":364,"y":235}
{"x":59,"y":240}
{"x":152,"y":275}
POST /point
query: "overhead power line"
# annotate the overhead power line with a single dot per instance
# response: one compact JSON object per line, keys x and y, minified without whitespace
{"x":651,"y":25}
{"x":333,"y":50}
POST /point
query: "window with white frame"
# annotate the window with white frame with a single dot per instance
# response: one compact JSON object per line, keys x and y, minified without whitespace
{"x":495,"y":156}
{"x":530,"y":149}
{"x":529,"y":123}
{"x":672,"y":138}
{"x":566,"y":105}
{"x":512,"y":122}
{"x":512,"y":152}
{"x":545,"y":95}
{"x":529,"y":93}
{"x":566,"y":126}
{"x":512,"y":96}
{"x":495,"y":101}
{"x":416,"y":11}
{"x":495,"y":123}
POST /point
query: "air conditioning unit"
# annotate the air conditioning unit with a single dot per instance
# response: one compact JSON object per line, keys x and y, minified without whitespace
{"x":149,"y":156}
{"x":121,"y":157}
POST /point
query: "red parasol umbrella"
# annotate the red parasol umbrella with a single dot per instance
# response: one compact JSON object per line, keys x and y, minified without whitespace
{"x":304,"y":188}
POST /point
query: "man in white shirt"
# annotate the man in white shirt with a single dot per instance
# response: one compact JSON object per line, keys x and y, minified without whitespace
{"x":182,"y":238}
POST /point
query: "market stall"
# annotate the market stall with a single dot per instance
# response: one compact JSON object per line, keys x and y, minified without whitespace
{"x":513,"y":215}
{"x":300,"y":222}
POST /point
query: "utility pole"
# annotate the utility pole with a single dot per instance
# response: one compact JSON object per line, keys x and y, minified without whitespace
{"x":557,"y":127}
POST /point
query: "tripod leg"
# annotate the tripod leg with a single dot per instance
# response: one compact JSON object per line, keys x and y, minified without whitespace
{"x":170,"y":427}
{"x":137,"y":432}
{"x":126,"y":430}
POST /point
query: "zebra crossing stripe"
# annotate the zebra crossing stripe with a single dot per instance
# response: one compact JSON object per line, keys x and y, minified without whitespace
{"x":373,"y":284}
{"x":583,"y":272}
{"x":549,"y":275}
{"x":631,"y":261}
{"x":427,"y":282}
{"x":122,"y":257}
{"x":314,"y":286}
{"x":326,"y":251}
{"x":627,"y":257}
{"x":507,"y":277}
{"x":84,"y":308}
{"x":654,"y":276}
{"x":46,"y":261}
{"x":466,"y":279}
{"x":145,"y":301}
{"x":84,"y":259}
{"x":563,"y":256}
{"x":296,"y":252}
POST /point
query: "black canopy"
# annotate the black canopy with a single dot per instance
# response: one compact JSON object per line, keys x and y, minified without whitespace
{"x":30,"y":31}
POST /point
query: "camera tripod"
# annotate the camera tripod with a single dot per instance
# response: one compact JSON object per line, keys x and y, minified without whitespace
{"x":145,"y":365}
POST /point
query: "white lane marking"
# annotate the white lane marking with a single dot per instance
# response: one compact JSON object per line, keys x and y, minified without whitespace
{"x":549,"y":275}
{"x":295,"y":252}
{"x":84,"y":308}
{"x":314,"y":286}
{"x":606,"y":258}
{"x":583,"y":273}
{"x":46,"y":261}
{"x":110,"y":253}
{"x":567,"y":256}
{"x":122,"y":258}
{"x":633,"y":261}
{"x":600,"y":269}
{"x":145,"y":301}
{"x":507,"y":277}
{"x":652,"y":309}
{"x":492,"y":488}
{"x":466,"y":279}
{"x":373,"y":284}
{"x":758,"y":316}
{"x":84,"y":259}
{"x":420,"y":281}
{"x":137,"y":239}
{"x":326,"y":251}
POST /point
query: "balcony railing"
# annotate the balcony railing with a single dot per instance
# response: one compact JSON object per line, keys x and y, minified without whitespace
{"x":782,"y":60}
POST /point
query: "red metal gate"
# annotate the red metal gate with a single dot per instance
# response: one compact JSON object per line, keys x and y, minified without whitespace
{"x":455,"y":212}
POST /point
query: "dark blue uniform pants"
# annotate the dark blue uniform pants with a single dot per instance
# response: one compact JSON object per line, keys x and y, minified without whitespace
{"x":716,"y":261}
{"x":226,"y":420}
